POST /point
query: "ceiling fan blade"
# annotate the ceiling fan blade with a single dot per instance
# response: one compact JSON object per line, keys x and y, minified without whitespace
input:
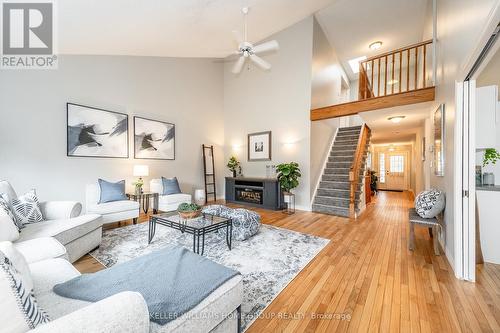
{"x":260,"y":62}
{"x":238,"y":66}
{"x":267,"y":46}
{"x":237,"y":37}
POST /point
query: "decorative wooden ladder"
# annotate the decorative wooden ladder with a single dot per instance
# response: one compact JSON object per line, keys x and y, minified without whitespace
{"x":209,"y":174}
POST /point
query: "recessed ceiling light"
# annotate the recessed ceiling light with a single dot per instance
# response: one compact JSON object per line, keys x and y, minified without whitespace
{"x":375,"y":45}
{"x":396,"y":119}
{"x":354,"y":63}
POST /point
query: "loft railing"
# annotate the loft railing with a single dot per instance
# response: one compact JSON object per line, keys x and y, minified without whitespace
{"x":402,"y":70}
{"x":355,"y":170}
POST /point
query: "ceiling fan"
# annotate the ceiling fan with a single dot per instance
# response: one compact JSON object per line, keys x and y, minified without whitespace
{"x":248,"y":50}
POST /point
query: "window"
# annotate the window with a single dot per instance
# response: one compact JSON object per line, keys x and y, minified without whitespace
{"x":381,"y":168}
{"x":397,"y":164}
{"x":369,"y":161}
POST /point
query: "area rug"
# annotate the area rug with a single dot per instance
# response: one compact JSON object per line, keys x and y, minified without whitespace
{"x":268,"y":261}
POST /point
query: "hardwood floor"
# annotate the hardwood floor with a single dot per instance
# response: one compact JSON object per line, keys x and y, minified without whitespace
{"x":365,"y":279}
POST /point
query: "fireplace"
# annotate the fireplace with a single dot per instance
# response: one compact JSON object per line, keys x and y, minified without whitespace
{"x":255,"y":192}
{"x":250,"y":195}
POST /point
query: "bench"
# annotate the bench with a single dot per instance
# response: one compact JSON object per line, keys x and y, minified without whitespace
{"x":432,"y":223}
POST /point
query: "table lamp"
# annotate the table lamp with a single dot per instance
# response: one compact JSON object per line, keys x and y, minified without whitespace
{"x":140,"y":171}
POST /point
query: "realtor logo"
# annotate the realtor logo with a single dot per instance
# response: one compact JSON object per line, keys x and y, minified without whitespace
{"x":28,"y":35}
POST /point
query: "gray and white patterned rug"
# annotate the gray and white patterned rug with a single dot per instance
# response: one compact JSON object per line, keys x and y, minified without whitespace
{"x":268,"y":261}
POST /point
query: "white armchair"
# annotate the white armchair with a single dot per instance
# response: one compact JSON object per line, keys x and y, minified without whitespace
{"x":170,"y":202}
{"x":62,"y":220}
{"x":110,"y":211}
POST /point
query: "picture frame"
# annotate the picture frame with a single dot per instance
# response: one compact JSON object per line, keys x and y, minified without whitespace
{"x":96,"y":132}
{"x":439,"y":140}
{"x":153,"y":139}
{"x":423,"y":148}
{"x":260,"y":146}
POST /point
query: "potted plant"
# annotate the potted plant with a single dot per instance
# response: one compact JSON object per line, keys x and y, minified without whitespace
{"x":188,"y":210}
{"x":288,"y":177}
{"x":374,"y":181}
{"x":491,"y":156}
{"x":138,"y":186}
{"x":234,"y":165}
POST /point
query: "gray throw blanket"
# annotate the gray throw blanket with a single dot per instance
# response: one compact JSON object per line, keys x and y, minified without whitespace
{"x":172,"y":281}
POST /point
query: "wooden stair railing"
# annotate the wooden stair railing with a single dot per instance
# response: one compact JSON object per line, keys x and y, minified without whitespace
{"x":397,"y":71}
{"x":365,"y":87}
{"x":355,"y":169}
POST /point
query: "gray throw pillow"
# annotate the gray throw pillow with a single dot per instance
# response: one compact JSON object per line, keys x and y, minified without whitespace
{"x":429,"y":204}
{"x":170,"y":186}
{"x":112,"y":191}
{"x":25,"y":208}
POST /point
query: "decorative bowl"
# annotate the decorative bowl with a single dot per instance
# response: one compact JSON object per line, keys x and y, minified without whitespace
{"x":189,"y":214}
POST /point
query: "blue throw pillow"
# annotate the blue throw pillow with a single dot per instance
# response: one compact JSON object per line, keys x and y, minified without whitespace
{"x":170,"y":186}
{"x":112,"y":191}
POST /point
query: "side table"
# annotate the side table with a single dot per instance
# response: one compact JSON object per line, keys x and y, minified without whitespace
{"x":144,"y":199}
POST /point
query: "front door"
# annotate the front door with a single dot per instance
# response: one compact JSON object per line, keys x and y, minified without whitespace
{"x":395,"y":173}
{"x":393,"y":169}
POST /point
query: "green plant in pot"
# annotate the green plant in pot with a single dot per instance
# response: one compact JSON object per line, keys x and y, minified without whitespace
{"x":374,"y":181}
{"x":491,"y":156}
{"x":234,"y":165}
{"x":189,"y":210}
{"x":138,"y":186}
{"x":288,"y":177}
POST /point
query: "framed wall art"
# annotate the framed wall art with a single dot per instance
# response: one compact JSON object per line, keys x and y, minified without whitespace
{"x":259,"y":146}
{"x":153,"y":139}
{"x":94,"y":132}
{"x":439,"y":141}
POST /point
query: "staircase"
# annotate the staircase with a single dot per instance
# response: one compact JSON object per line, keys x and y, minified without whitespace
{"x":334,"y":192}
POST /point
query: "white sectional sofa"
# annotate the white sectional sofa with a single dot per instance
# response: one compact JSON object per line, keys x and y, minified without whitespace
{"x":167,"y":203}
{"x":62,"y":220}
{"x":123,"y":312}
{"x":110,"y":211}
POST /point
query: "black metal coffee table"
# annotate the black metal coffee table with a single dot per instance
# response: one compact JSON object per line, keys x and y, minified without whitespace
{"x":197,"y":227}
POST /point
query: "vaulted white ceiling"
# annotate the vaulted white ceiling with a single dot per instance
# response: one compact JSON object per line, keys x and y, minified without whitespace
{"x":351,"y":25}
{"x":173,"y":28}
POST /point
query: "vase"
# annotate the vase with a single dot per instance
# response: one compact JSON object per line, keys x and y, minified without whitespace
{"x":138,"y":190}
{"x":488,"y":179}
{"x":234,"y":173}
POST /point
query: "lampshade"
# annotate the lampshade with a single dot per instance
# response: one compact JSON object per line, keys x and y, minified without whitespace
{"x":141,"y":170}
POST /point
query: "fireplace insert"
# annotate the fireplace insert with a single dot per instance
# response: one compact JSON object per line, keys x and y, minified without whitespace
{"x":249,"y":195}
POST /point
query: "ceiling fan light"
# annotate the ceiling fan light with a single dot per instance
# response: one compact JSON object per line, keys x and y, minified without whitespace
{"x":396,"y":119}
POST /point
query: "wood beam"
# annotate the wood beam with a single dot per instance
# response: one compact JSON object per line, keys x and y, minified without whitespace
{"x":375,"y":103}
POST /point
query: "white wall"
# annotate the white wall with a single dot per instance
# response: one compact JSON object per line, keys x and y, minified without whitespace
{"x":418,"y":163}
{"x":187,"y":92}
{"x":278,"y":100}
{"x":459,"y":25}
{"x":326,"y":86}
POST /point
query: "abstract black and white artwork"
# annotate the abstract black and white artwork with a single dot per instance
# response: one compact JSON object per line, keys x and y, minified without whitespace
{"x":95,"y":132}
{"x":154,"y":139}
